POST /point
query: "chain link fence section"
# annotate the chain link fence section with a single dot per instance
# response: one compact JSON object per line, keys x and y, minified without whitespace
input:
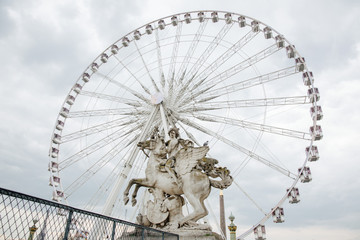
{"x":30,"y":218}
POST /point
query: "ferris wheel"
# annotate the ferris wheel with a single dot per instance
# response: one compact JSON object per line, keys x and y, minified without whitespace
{"x":221,"y":78}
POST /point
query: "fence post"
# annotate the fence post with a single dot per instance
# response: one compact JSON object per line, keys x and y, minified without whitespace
{"x":163,"y":236}
{"x":113,"y":231}
{"x":68,"y":223}
{"x":142,"y":233}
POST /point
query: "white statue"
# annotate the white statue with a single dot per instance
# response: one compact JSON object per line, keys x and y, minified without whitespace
{"x":177,"y":168}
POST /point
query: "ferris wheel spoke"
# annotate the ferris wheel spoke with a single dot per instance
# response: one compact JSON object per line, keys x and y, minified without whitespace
{"x":106,"y":185}
{"x":119,"y":84}
{"x":221,"y":77}
{"x":235,"y":48}
{"x":103,"y":161}
{"x":248,"y":83}
{"x":174,"y":54}
{"x":121,"y":133}
{"x":101,"y":191}
{"x":249,"y":197}
{"x":127,"y":101}
{"x":205,"y":105}
{"x":160,"y":66}
{"x":120,"y":122}
{"x":146,"y":67}
{"x":191,"y":50}
{"x":107,"y":112}
{"x":209,"y":50}
{"x":253,"y":126}
{"x":236,"y":146}
{"x":133,"y":75}
{"x":202,"y":59}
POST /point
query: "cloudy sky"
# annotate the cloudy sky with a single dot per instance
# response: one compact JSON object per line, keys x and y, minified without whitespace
{"x":45,"y":46}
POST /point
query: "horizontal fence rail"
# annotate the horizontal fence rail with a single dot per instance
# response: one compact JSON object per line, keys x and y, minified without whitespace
{"x":31,"y":218}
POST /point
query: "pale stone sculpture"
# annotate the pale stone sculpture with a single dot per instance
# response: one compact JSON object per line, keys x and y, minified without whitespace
{"x":177,"y":168}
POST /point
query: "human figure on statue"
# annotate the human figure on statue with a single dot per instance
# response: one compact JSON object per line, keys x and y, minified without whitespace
{"x":172,"y":148}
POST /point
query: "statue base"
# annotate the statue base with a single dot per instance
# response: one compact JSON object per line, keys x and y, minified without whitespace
{"x":196,"y":234}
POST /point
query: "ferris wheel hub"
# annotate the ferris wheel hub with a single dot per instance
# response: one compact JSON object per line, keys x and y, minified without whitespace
{"x":157,"y":98}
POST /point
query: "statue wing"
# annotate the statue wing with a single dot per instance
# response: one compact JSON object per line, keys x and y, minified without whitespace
{"x":186,"y":159}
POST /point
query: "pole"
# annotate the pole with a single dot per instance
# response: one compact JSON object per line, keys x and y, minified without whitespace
{"x":222,"y":214}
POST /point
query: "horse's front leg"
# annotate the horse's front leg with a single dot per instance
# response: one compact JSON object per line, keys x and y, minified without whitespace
{"x":133,"y":200}
{"x":126,"y":192}
{"x":140,"y":182}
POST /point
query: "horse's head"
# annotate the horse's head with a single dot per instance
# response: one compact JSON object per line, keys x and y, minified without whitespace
{"x":156,"y":146}
{"x":159,"y":148}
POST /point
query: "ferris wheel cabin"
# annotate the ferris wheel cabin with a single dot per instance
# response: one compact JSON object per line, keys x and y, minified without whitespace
{"x":293,"y":195}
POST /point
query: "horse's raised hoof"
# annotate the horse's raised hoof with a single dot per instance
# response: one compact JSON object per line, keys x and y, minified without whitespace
{"x":126,"y":200}
{"x":133,"y":202}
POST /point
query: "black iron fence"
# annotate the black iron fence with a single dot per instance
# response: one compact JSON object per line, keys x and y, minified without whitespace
{"x":26,"y":217}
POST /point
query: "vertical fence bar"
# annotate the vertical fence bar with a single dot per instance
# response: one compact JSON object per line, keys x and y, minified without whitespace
{"x":68,"y":223}
{"x":142,"y":233}
{"x":113,"y":231}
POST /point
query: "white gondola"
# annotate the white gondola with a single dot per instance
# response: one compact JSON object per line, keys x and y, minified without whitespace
{"x":308,"y":78}
{"x":316,"y":113}
{"x":305,"y":175}
{"x":313,"y":94}
{"x":242,"y":21}
{"x":64,"y":112}
{"x":187,"y":18}
{"x":201,"y":16}
{"x":279,"y":41}
{"x":312,"y":153}
{"x":161,"y":24}
{"x":94,"y":67}
{"x":174,"y":20}
{"x":53,"y":166}
{"x":86,"y":76}
{"x":137,"y":35}
{"x":255,"y":26}
{"x":278,"y":215}
{"x":70,"y":100}
{"x":260,"y":233}
{"x":267,"y":33}
{"x":56,"y":138}
{"x":290,"y":51}
{"x":77,"y":88}
{"x":104,"y":57}
{"x":293,"y":195}
{"x":316,"y":132}
{"x":125,"y":41}
{"x":114,"y":49}
{"x":54,"y":152}
{"x":228,"y":18}
{"x":57,"y":195}
{"x":214,"y":17}
{"x":300,"y":64}
{"x":60,"y":125}
{"x":149,"y":29}
{"x":54,"y":181}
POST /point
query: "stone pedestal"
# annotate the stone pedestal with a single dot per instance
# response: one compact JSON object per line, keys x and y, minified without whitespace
{"x":197,"y":235}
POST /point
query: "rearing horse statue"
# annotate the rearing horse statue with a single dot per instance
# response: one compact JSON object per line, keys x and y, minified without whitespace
{"x":196,"y":184}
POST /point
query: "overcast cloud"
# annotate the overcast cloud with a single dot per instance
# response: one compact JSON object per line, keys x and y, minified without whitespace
{"x":45,"y":46}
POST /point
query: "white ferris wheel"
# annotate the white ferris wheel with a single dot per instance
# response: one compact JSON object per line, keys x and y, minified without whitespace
{"x":219,"y":77}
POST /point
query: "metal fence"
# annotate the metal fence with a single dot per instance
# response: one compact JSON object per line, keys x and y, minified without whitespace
{"x":26,"y":217}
